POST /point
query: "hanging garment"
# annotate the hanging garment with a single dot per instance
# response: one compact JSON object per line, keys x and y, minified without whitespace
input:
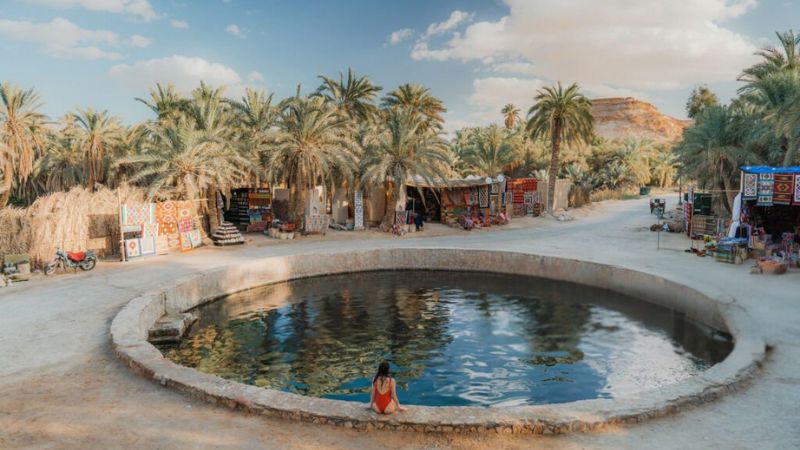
{"x":750,"y":186}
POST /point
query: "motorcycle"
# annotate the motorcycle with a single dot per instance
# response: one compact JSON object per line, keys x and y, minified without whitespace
{"x":85,"y":261}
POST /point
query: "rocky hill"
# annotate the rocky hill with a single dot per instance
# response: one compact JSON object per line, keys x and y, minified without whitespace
{"x":618,"y":118}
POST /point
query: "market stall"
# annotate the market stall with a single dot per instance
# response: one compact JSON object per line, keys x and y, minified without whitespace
{"x":466,"y":202}
{"x":767,"y":213}
{"x":250,"y":209}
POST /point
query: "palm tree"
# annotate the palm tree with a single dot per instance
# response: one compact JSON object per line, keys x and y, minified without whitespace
{"x":701,"y":98}
{"x":20,"y":128}
{"x":97,"y":133}
{"x":354,"y":96}
{"x":633,"y":161}
{"x":419,"y":101}
{"x":510,"y":115}
{"x":209,"y":110}
{"x":785,"y":58}
{"x":166,"y":103}
{"x":312,"y":147}
{"x":256,"y":119}
{"x":711,"y":151}
{"x":489,"y":152}
{"x":663,"y":167}
{"x":401,"y":153}
{"x":61,"y":167}
{"x":563,"y":116}
{"x":181,"y":161}
{"x":776,"y":95}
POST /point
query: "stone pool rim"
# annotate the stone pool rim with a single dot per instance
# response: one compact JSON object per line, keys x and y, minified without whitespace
{"x":130,"y":327}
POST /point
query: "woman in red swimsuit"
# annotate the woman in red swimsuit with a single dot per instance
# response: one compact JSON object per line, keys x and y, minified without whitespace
{"x":383,"y":398}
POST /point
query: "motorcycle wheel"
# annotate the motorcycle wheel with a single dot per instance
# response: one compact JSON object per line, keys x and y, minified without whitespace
{"x":88,"y":265}
{"x":50,"y":268}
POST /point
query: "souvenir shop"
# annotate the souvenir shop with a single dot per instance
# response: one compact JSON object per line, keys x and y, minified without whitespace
{"x":158,"y":228}
{"x":467,"y":203}
{"x":249,"y":209}
{"x":767,"y":213}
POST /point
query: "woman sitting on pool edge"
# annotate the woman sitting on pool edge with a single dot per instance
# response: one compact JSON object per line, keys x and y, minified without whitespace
{"x":383,"y":397}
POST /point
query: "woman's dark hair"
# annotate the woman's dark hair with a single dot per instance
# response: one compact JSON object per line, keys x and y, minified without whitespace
{"x":383,"y":371}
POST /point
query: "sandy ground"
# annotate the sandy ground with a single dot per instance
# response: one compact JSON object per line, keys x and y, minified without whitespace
{"x":60,"y":386}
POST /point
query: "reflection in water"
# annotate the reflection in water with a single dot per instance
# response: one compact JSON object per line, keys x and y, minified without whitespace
{"x":452,"y":339}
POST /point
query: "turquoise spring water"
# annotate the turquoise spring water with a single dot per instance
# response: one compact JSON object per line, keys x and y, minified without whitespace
{"x":452,"y":338}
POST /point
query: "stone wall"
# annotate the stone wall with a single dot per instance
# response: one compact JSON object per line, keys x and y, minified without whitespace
{"x":129,"y":330}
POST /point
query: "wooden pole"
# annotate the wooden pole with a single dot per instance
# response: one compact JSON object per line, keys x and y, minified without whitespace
{"x":121,"y":232}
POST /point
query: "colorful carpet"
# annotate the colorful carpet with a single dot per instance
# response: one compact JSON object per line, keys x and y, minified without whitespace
{"x":797,"y":190}
{"x":147,"y":246}
{"x":483,"y":195}
{"x":185,"y":225}
{"x":783,"y":191}
{"x":750,"y":185}
{"x":132,"y":248}
{"x":766,"y":183}
{"x":166,"y":218}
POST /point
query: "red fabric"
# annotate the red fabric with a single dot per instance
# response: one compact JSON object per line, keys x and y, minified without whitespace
{"x":382,"y":400}
{"x":76,"y":256}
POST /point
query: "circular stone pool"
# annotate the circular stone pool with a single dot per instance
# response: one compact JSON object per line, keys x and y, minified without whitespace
{"x":453,"y":338}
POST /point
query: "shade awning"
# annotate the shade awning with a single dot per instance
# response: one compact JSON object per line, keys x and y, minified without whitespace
{"x":772,"y":170}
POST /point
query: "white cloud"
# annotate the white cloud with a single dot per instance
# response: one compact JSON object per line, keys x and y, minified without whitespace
{"x":255,"y":77}
{"x":140,"y":41}
{"x":62,"y":38}
{"x":456,"y":18}
{"x":630,"y":44}
{"x":179,"y":23}
{"x":234,"y":30}
{"x":139,"y":8}
{"x":401,"y":35}
{"x":182,"y":71}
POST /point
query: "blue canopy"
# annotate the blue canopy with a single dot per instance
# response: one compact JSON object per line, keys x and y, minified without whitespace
{"x":773,"y":170}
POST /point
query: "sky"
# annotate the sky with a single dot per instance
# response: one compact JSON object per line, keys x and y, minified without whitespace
{"x":476,"y":55}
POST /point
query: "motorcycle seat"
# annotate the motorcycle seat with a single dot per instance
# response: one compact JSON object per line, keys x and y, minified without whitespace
{"x":76,"y":256}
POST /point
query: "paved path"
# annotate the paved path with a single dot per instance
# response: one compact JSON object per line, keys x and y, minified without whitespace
{"x":60,"y":386}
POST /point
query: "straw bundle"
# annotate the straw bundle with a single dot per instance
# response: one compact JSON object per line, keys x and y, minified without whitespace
{"x":75,"y":220}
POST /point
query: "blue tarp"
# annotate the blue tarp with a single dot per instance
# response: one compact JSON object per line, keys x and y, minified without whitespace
{"x":767,"y":169}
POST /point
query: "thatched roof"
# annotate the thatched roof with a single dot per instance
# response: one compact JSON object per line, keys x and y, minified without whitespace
{"x":450,"y":183}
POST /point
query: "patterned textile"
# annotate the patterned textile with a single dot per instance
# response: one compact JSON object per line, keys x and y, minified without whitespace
{"x":185,"y":225}
{"x":494,"y":201}
{"x":132,"y":248}
{"x":166,"y":218}
{"x":358,"y":210}
{"x":174,"y":241}
{"x":184,"y":210}
{"x":483,"y":196}
{"x":519,"y":196}
{"x":149,"y":230}
{"x":766,"y":182}
{"x":750,"y":186}
{"x":783,"y":191}
{"x":195,"y":238}
{"x":474,"y":196}
{"x":528,"y":198}
{"x":186,"y":242}
{"x":796,"y":190}
{"x":400,"y":217}
{"x":147,"y":246}
{"x":162,"y":245}
{"x":495,"y":188}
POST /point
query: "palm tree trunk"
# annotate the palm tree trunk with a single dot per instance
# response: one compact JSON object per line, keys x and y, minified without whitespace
{"x":553,"y":172}
{"x":8,"y":181}
{"x":788,"y":157}
{"x":388,"y":217}
{"x":728,"y":197}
